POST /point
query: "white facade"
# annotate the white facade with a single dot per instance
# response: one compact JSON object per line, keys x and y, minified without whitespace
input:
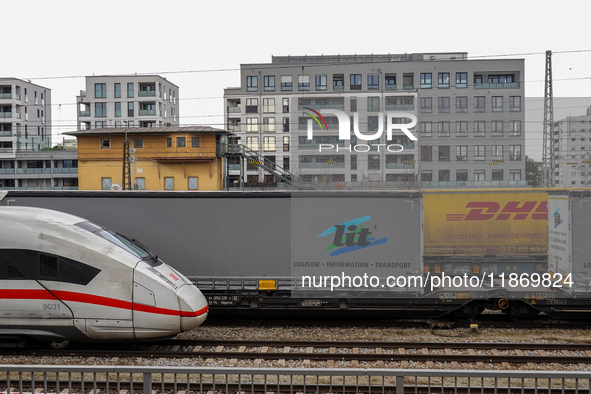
{"x":572,"y":151}
{"x":128,"y":101}
{"x":470,"y":118}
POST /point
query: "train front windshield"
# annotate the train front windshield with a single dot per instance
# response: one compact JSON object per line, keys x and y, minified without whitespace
{"x":131,"y":245}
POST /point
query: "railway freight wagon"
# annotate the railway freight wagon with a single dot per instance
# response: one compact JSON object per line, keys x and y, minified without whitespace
{"x":483,"y":231}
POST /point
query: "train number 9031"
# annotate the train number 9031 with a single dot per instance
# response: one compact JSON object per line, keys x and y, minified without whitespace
{"x":51,"y":307}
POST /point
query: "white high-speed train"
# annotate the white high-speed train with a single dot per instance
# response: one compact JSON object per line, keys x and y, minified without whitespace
{"x":63,"y":278}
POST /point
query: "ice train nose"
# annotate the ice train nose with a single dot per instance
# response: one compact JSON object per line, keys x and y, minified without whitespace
{"x":194,"y":307}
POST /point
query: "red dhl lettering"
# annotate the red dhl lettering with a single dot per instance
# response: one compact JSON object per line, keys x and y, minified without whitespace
{"x":514,"y":210}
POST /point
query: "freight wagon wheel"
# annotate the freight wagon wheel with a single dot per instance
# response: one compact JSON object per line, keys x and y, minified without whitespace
{"x":59,"y":345}
{"x":521,"y":312}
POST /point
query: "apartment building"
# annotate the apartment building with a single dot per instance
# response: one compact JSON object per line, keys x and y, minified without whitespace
{"x":469,"y":113}
{"x":27,"y":157}
{"x":127,"y":101}
{"x":572,"y":151}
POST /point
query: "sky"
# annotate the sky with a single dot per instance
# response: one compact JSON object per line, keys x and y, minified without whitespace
{"x":199,"y":45}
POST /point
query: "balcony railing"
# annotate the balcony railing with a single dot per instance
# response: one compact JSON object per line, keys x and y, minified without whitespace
{"x":65,"y":170}
{"x":33,"y":170}
{"x":6,"y":170}
{"x":147,"y":112}
{"x":5,"y":114}
{"x":147,"y":93}
{"x":65,"y":188}
{"x":391,"y":87}
{"x":5,"y":96}
{"x":399,"y":166}
{"x":322,"y":106}
{"x":6,"y":150}
{"x":496,"y":85}
{"x":400,"y":107}
{"x":5,"y":133}
{"x":234,"y":110}
{"x":322,"y":165}
{"x":84,"y":113}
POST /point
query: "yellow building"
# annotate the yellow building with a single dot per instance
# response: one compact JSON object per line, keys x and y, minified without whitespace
{"x":162,"y":158}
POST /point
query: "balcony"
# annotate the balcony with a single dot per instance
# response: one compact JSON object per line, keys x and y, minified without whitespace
{"x":322,"y":106}
{"x":496,"y":85}
{"x":6,"y":150}
{"x":65,"y":170}
{"x":5,"y":96}
{"x":6,"y":170}
{"x":400,"y":107}
{"x":408,"y":87}
{"x":147,"y":93}
{"x":330,"y":164}
{"x":399,"y":166}
{"x":391,"y":87}
{"x":6,"y":133}
{"x":65,"y":188}
{"x":147,"y":112}
{"x":5,"y":114}
{"x":84,"y":113}
{"x":234,"y":110}
{"x":33,"y":170}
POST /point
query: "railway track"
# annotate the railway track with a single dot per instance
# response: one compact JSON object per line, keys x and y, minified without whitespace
{"x":342,"y":351}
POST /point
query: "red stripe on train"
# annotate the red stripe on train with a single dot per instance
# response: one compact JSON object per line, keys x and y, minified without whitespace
{"x":19,"y":294}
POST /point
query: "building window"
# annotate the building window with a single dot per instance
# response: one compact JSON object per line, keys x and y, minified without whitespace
{"x":117,"y":123}
{"x":139,"y":184}
{"x":117,"y":109}
{"x":130,"y":89}
{"x":373,"y":81}
{"x":496,"y":128}
{"x":100,"y":109}
{"x":461,"y":175}
{"x":390,"y":81}
{"x":97,"y":125}
{"x":443,"y":104}
{"x":479,"y":103}
{"x":444,"y":175}
{"x":181,"y":142}
{"x":425,"y":80}
{"x":105,"y":144}
{"x":130,"y":109}
{"x":193,"y":183}
{"x":514,"y":175}
{"x":354,"y":162}
{"x":444,"y":153}
{"x":285,"y":125}
{"x":117,"y":90}
{"x":168,"y":183}
{"x":269,"y":81}
{"x":252,"y":143}
{"x":479,"y":154}
{"x":286,"y":83}
{"x":285,"y":105}
{"x":252,"y":83}
{"x":479,"y":175}
{"x":426,"y":104}
{"x":372,"y":123}
{"x":497,"y":175}
{"x":373,"y":162}
{"x":304,"y":82}
{"x":355,"y":81}
{"x":194,"y":142}
{"x":269,"y":144}
{"x":269,"y":105}
{"x":373,"y":104}
{"x":353,"y":104}
{"x":426,"y":153}
{"x":252,"y":106}
{"x":321,"y":82}
{"x":479,"y":128}
{"x":269,"y":125}
{"x":515,"y":152}
{"x":252,"y":125}
{"x":426,"y":175}
{"x":461,"y":80}
{"x":425,"y":129}
{"x":462,"y":104}
{"x":515,"y":103}
{"x":100,"y":90}
{"x":461,"y":129}
{"x":514,"y":127}
{"x":169,"y":142}
{"x":462,"y":152}
{"x":443,"y":129}
{"x":106,"y":183}
{"x":138,"y":143}
{"x":338,"y":82}
{"x":497,"y":103}
{"x":443,"y":81}
{"x":497,"y":152}
{"x":286,"y":144}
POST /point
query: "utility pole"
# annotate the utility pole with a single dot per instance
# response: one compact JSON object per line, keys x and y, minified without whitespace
{"x":126,"y":165}
{"x":548,"y":167}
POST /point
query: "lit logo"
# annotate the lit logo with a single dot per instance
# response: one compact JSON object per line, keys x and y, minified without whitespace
{"x":512,"y":210}
{"x":556,"y":218}
{"x":350,"y":236}
{"x":316,"y":119}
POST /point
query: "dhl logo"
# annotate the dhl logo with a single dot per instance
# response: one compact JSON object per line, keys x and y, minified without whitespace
{"x":489,"y":209}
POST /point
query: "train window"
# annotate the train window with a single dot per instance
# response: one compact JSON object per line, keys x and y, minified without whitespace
{"x":13,"y":272}
{"x":47,"y":265}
